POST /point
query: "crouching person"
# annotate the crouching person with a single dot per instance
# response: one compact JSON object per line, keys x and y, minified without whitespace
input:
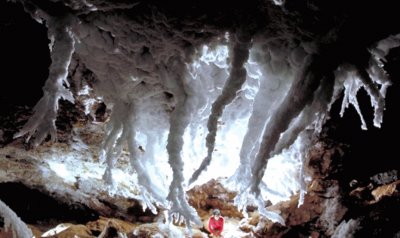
{"x":216,"y":224}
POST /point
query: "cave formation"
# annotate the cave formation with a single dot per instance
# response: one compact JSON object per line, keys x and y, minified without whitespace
{"x":136,"y":118}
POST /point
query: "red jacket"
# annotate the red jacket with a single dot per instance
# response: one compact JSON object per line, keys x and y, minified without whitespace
{"x":216,"y":226}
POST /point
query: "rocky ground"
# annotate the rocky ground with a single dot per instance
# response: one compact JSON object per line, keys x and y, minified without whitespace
{"x":330,"y":209}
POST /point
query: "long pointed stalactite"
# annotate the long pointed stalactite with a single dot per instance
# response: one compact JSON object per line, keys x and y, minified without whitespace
{"x":273,"y":86}
{"x":43,"y":120}
{"x":179,"y":120}
{"x":300,"y":94}
{"x":319,"y":105}
{"x":240,"y":55}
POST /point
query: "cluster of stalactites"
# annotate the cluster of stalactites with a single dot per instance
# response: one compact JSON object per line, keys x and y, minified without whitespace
{"x":306,"y":90}
{"x":374,"y":80}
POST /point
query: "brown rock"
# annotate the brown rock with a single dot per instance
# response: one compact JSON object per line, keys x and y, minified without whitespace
{"x":104,"y":222}
{"x":213,"y":195}
{"x":385,"y":190}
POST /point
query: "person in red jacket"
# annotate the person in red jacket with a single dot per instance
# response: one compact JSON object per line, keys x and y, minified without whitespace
{"x":216,"y":223}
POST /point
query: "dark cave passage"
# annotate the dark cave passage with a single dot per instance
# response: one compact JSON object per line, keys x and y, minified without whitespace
{"x":35,"y":207}
{"x":24,"y":59}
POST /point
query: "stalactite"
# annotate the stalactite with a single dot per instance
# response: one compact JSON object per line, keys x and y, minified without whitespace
{"x":312,"y":113}
{"x":19,"y":228}
{"x":273,"y":86}
{"x":240,"y":54}
{"x":179,"y":120}
{"x":43,"y":120}
{"x":300,"y":94}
